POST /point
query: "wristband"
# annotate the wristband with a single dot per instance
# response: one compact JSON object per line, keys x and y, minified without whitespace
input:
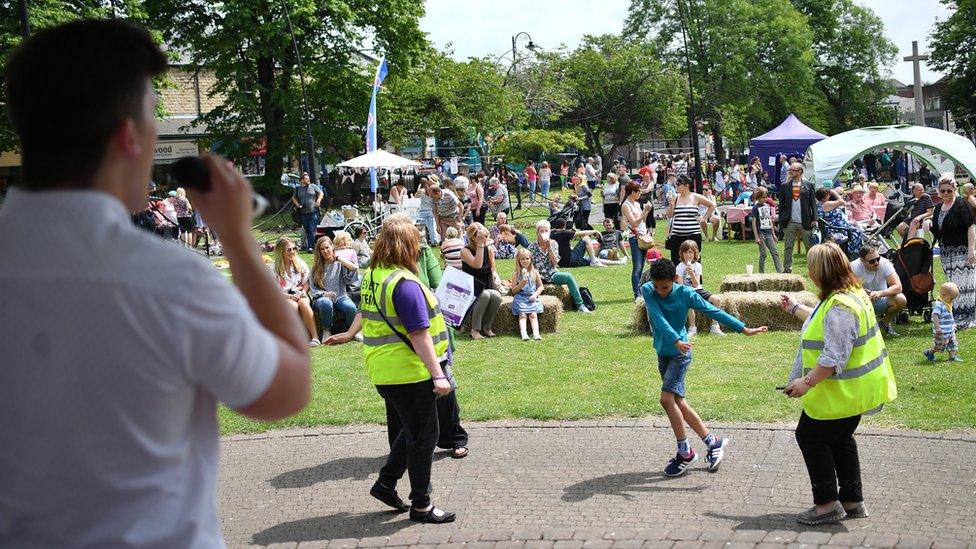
{"x":435,"y":378}
{"x":793,"y":310}
{"x":806,"y":379}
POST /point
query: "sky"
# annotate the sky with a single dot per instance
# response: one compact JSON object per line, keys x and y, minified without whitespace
{"x":486,"y":27}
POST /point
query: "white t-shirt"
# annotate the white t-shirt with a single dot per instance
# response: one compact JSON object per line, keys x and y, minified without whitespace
{"x":685,"y":275}
{"x":116,"y":348}
{"x":873,"y":281}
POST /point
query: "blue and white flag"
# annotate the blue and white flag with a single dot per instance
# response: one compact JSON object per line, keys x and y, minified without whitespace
{"x":371,"y":120}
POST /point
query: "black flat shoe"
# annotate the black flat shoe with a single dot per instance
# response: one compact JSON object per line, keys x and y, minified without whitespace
{"x":389,"y":497}
{"x":430,"y":516}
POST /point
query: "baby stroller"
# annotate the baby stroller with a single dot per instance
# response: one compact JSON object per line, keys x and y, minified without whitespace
{"x":568,"y":212}
{"x":914,"y":257}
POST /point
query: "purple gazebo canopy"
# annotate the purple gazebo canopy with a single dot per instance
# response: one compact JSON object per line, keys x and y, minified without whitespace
{"x":791,"y":138}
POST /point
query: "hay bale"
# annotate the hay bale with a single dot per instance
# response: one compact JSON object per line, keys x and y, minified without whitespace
{"x":507,"y":323}
{"x":561,"y":292}
{"x":773,"y":282}
{"x":753,"y":308}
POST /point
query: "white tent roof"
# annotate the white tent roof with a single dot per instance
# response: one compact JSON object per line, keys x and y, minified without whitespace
{"x":941,"y":150}
{"x":379,"y":159}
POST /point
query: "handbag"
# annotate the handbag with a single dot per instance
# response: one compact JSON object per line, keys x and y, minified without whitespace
{"x":922,"y":283}
{"x":445,"y":364}
{"x":645,"y":242}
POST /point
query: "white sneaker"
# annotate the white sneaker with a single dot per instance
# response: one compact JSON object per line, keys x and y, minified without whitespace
{"x":358,"y":337}
{"x":583,"y":309}
{"x":717,"y":330}
{"x":314,"y":343}
{"x":537,"y":337}
{"x":525,"y":336}
{"x":597,"y":263}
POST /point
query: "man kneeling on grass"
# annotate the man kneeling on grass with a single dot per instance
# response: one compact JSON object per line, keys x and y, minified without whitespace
{"x":667,"y":306}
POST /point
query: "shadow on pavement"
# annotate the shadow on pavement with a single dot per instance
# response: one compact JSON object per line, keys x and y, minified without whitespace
{"x":623,"y":485}
{"x":359,"y":468}
{"x":338,"y":526}
{"x":776,"y":521}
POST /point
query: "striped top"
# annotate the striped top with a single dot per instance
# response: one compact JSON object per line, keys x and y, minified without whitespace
{"x":942,"y":314}
{"x":685,"y":220}
{"x":451,"y":250}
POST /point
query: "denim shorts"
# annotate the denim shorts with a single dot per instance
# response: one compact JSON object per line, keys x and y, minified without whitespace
{"x":880,"y":306}
{"x":673,"y":370}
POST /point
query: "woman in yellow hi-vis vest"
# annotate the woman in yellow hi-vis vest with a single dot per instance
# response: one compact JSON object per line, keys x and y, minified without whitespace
{"x":841,"y":372}
{"x":405,"y":342}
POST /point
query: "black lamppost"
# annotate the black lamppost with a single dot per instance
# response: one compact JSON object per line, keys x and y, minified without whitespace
{"x":692,"y":117}
{"x":309,"y":142}
{"x":531,"y":45}
{"x":24,"y":22}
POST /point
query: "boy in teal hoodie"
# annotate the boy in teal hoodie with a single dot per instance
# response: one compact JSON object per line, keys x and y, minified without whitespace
{"x":667,"y":306}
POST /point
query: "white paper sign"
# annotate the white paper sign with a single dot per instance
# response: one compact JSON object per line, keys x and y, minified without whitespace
{"x":772,"y":160}
{"x":454,"y":165}
{"x":455,"y":294}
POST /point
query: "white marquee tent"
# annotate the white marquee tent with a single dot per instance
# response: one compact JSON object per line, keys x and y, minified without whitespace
{"x":943,"y":151}
{"x":379,"y":159}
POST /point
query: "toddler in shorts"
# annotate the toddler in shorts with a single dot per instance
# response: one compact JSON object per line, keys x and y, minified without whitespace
{"x":944,"y":325}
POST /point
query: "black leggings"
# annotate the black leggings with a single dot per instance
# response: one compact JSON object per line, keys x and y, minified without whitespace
{"x":830,"y":453}
{"x":412,"y":451}
{"x":612,"y":211}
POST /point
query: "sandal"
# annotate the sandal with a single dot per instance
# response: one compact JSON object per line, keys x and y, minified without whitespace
{"x":459,"y":453}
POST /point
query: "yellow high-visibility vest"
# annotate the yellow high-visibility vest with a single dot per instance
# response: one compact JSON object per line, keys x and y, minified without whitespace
{"x":867,"y":380}
{"x":389,"y":361}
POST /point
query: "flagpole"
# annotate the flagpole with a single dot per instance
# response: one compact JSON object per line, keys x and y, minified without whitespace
{"x":381,"y":71}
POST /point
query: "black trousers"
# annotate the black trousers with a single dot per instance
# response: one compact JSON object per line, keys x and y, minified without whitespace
{"x":479,"y":216}
{"x":412,"y":449}
{"x":612,"y":211}
{"x":830,"y":454}
{"x":451,"y":436}
{"x":582,"y":220}
{"x":673,"y":244}
{"x":651,"y":221}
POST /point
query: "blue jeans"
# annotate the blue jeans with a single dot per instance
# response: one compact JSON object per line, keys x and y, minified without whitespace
{"x":545,"y":188}
{"x":427,"y":218}
{"x":673,"y":370}
{"x":521,"y":240}
{"x":637,"y":267}
{"x":326,"y":310}
{"x":309,"y":222}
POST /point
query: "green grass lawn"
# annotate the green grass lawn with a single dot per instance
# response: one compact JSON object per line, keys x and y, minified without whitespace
{"x":596,"y":367}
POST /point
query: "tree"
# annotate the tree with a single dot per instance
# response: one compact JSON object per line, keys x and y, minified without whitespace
{"x":852,"y":61}
{"x":48,"y":13}
{"x":954,"y":53}
{"x":531,"y":144}
{"x":620,"y":94}
{"x":438,"y":94}
{"x":248,"y":45}
{"x":751,"y":57}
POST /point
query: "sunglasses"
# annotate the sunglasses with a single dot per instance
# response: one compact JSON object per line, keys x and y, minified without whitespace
{"x":874,"y":261}
{"x":946,"y":191}
{"x":292,"y":249}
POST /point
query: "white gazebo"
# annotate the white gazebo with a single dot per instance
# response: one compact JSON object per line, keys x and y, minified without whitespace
{"x":380,"y":159}
{"x":942,"y":151}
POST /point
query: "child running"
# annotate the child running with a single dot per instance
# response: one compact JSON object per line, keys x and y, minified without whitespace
{"x":944,"y":325}
{"x":527,"y":287}
{"x":689,"y":273}
{"x":667,"y":306}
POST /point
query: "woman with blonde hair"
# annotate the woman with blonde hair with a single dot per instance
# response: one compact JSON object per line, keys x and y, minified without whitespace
{"x":330,"y":276}
{"x":841,"y":372}
{"x":405,"y":343}
{"x":292,"y":274}
{"x":478,"y":260}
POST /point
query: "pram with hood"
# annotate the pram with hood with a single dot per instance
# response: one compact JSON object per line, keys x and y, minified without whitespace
{"x":913,"y":258}
{"x":568,"y":212}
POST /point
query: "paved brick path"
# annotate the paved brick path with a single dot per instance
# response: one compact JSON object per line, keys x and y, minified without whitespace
{"x":570,"y":485}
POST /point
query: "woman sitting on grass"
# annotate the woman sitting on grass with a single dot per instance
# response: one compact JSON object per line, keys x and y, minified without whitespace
{"x":330,"y":276}
{"x":292,"y":274}
{"x":689,"y":273}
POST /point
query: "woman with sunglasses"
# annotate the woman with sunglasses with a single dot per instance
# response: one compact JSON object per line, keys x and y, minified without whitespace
{"x":293,"y":278}
{"x":685,"y":217}
{"x":954,"y":227}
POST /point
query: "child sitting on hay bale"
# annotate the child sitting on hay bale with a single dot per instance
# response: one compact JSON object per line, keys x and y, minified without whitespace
{"x":689,"y":273}
{"x":667,"y":306}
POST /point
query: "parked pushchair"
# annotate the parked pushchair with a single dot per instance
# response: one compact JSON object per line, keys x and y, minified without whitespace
{"x":568,"y":212}
{"x":914,"y":257}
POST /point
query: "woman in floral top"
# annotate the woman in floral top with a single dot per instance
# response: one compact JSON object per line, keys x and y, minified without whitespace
{"x":293,"y":278}
{"x":545,"y":257}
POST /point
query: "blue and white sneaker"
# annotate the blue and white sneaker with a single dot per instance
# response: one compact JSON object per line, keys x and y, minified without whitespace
{"x":679,"y":465}
{"x":715,"y":454}
{"x":929,"y":355}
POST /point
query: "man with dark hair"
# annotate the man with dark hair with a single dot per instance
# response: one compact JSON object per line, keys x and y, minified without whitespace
{"x":307,"y":197}
{"x":110,"y":379}
{"x":881,"y":282}
{"x":667,"y":307}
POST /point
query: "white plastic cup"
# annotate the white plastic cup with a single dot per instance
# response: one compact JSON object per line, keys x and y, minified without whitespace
{"x":749,"y":270}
